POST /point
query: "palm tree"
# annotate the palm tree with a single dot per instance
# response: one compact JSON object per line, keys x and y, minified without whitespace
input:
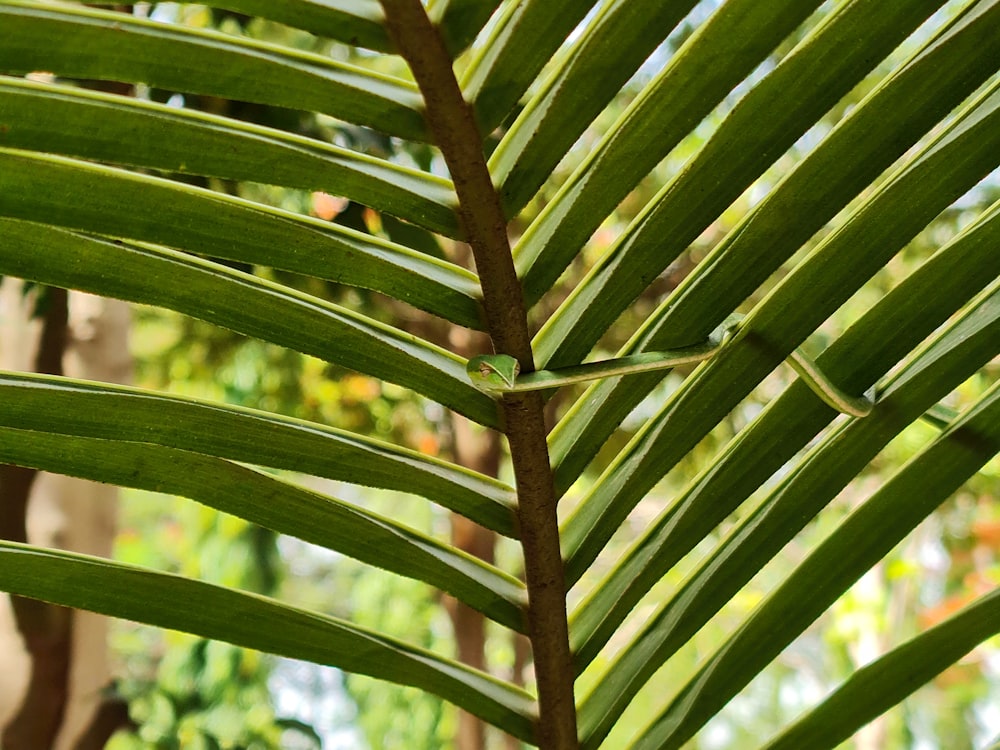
{"x":537,"y":73}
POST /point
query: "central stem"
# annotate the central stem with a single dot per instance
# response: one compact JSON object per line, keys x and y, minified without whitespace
{"x":453,"y":125}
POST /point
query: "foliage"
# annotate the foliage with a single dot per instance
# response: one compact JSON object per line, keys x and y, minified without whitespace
{"x":110,"y":194}
{"x":186,"y":691}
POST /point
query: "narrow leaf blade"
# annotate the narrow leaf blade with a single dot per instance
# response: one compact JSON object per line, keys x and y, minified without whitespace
{"x":127,"y":131}
{"x":359,"y":23}
{"x":860,"y":541}
{"x":522,"y":42}
{"x":809,"y":485}
{"x":948,"y":167}
{"x":61,"y":39}
{"x":609,"y":50}
{"x":64,"y":406}
{"x":460,"y":21}
{"x":243,"y":303}
{"x":877,"y":132}
{"x":276,"y":505}
{"x":255,"y":622}
{"x":721,"y":53}
{"x":79,"y":195}
{"x":869,"y":349}
{"x":832,"y":175}
{"x":880,"y":685}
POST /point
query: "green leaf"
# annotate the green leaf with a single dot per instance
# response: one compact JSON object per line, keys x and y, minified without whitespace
{"x":877,"y":132}
{"x":243,"y":303}
{"x":523,"y":40}
{"x":867,"y":535}
{"x":954,"y":356}
{"x":868,"y":350}
{"x":880,"y":685}
{"x":355,"y":22}
{"x":842,"y":165}
{"x":721,"y":53}
{"x":922,"y":188}
{"x":276,"y":505}
{"x":460,"y":21}
{"x":90,"y":197}
{"x":253,"y":621}
{"x":608,"y":51}
{"x":62,"y":39}
{"x":109,"y":412}
{"x":127,"y":131}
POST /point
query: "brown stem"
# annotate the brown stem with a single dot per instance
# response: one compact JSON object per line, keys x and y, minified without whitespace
{"x":455,"y":131}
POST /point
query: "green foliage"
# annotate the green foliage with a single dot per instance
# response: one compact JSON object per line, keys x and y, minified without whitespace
{"x":791,"y":162}
{"x":201,"y":691}
{"x":391,"y":717}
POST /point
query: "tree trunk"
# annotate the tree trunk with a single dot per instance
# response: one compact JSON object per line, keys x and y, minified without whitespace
{"x":478,"y":450}
{"x":52,"y":681}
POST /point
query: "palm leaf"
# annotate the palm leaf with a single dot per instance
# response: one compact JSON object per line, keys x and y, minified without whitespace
{"x":245,"y":303}
{"x":461,"y":21}
{"x":665,"y":111}
{"x":91,"y":410}
{"x":880,"y":685}
{"x":816,"y":480}
{"x":132,"y":207}
{"x":146,"y":52}
{"x":859,"y":543}
{"x":95,"y":195}
{"x":358,"y":22}
{"x":255,"y":622}
{"x":853,"y":153}
{"x":522,"y":41}
{"x":947,"y":70}
{"x":825,"y":279}
{"x":123,"y":130}
{"x":276,"y":505}
{"x":865,"y":353}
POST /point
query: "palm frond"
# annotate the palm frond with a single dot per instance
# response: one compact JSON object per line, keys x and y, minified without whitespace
{"x":855,"y":125}
{"x":255,"y":622}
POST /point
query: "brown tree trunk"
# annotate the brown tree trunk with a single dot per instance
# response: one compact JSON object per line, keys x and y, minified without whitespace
{"x":53,"y":662}
{"x":479,"y":450}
